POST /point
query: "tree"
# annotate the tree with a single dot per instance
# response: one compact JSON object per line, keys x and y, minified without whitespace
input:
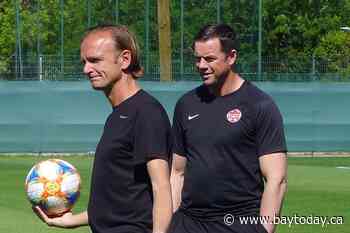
{"x":294,"y":29}
{"x":333,"y":51}
{"x":7,"y":34}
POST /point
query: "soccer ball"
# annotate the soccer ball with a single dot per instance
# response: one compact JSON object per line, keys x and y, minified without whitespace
{"x":54,"y":186}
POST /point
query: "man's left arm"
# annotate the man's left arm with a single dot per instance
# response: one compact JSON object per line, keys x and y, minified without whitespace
{"x":274,"y":170}
{"x":158,"y":170}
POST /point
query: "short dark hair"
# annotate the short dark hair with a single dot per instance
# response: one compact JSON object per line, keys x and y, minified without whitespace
{"x":123,"y":39}
{"x":226,"y":35}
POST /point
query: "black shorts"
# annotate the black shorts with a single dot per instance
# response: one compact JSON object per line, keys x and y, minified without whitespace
{"x":182,"y":223}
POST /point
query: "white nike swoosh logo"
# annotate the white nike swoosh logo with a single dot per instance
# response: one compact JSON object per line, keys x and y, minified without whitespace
{"x":123,"y":117}
{"x":192,"y":117}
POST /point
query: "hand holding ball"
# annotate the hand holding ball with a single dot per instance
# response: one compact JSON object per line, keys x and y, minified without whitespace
{"x":54,"y":186}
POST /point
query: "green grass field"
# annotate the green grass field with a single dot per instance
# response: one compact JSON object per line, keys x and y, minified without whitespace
{"x":316,"y":187}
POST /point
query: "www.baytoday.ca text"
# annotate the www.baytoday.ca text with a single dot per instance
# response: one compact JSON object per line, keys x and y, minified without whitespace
{"x":295,"y":219}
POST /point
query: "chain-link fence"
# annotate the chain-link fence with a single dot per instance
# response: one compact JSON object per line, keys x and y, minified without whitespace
{"x":40,"y":38}
{"x":49,"y":67}
{"x":44,"y":35}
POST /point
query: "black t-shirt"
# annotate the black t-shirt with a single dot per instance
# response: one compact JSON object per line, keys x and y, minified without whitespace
{"x":121,"y":199}
{"x":222,"y":139}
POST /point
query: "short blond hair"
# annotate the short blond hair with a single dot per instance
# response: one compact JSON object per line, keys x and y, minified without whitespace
{"x":123,"y":40}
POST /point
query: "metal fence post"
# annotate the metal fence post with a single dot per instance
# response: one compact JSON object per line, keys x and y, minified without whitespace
{"x":182,"y":40}
{"x":313,"y":67}
{"x":116,"y":11}
{"x":38,"y":41}
{"x":40,"y":68}
{"x":218,"y":11}
{"x":88,"y":13}
{"x":18,"y":54}
{"x":146,"y":36}
{"x":62,"y":37}
{"x":260,"y":40}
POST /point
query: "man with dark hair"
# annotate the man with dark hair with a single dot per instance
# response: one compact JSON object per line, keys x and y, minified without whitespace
{"x":228,"y":140}
{"x":130,"y":188}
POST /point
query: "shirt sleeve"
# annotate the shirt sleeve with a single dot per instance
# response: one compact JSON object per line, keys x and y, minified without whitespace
{"x":178,"y":132}
{"x":270,"y":130}
{"x":152,"y":134}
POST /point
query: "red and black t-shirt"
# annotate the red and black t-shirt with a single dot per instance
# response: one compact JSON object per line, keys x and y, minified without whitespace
{"x":222,"y":139}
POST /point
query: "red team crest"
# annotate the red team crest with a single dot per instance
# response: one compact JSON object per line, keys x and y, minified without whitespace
{"x":234,"y":115}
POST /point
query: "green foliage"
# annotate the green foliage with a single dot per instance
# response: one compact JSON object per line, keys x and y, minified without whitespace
{"x":296,"y":29}
{"x":334,"y":48}
{"x":7,"y":34}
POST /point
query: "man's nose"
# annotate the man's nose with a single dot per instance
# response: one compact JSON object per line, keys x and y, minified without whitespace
{"x":202,"y":64}
{"x":87,"y":68}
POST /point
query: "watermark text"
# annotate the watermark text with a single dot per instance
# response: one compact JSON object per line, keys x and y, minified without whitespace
{"x":295,"y":219}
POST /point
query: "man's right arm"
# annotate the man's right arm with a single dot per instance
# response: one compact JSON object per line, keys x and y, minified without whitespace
{"x":67,"y":220}
{"x":177,"y":179}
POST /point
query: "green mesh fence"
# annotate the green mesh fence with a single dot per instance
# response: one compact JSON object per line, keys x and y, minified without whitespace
{"x":44,"y":117}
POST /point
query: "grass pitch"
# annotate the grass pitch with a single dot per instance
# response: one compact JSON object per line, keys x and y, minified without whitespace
{"x":16,"y":215}
{"x":315,"y":188}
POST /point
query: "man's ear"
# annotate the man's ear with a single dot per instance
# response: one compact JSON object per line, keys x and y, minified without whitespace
{"x":232,"y":56}
{"x":125,"y":59}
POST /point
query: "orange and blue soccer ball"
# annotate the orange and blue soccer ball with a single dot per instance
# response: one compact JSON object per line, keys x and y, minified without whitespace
{"x":54,"y":186}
